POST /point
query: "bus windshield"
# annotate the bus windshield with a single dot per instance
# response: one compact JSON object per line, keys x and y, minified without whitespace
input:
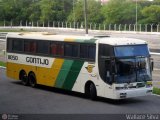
{"x":134,"y":50}
{"x":133,"y":70}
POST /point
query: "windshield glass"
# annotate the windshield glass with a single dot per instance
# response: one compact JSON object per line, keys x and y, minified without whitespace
{"x":134,"y":50}
{"x":133,"y":70}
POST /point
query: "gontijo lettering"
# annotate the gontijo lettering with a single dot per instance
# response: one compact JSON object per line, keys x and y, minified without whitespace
{"x":37,"y":60}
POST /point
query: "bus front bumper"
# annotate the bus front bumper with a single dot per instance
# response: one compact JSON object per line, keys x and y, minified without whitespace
{"x":129,"y":93}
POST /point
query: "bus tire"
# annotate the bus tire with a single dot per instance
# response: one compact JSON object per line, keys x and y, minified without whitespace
{"x":23,"y":77}
{"x":90,"y":90}
{"x":32,"y":79}
{"x":93,"y":92}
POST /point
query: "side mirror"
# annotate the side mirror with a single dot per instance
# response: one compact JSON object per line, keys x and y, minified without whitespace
{"x":152,"y":64}
{"x":113,"y":66}
{"x":113,"y":78}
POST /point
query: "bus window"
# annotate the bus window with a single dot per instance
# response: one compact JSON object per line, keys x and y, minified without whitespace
{"x":71,"y":50}
{"x":57,"y":49}
{"x":42,"y":47}
{"x":105,"y":51}
{"x":87,"y":51}
{"x":9,"y":44}
{"x":53,"y":49}
{"x":17,"y":45}
{"x":91,"y":52}
{"x":75,"y":50}
{"x":30,"y":46}
{"x":60,"y":49}
{"x":68,"y":50}
{"x":83,"y":51}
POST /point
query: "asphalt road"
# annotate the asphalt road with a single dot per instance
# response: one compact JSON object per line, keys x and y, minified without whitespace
{"x":18,"y":99}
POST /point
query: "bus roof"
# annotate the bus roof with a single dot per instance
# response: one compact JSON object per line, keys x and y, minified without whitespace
{"x":121,"y":41}
{"x":46,"y":36}
{"x":53,"y":37}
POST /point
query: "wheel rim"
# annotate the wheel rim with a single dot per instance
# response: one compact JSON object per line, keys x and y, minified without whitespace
{"x":32,"y":81}
{"x":24,"y":79}
{"x":92,"y":92}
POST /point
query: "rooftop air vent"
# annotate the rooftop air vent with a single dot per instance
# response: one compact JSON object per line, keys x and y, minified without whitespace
{"x":101,"y":36}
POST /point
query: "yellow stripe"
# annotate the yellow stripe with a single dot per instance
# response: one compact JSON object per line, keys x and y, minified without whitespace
{"x":69,"y":40}
{"x":44,"y":76}
{"x":13,"y":69}
{"x":56,"y":67}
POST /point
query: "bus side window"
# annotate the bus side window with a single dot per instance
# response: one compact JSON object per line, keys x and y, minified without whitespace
{"x":60,"y":49}
{"x":30,"y":46}
{"x":57,"y":49}
{"x":53,"y":49}
{"x":42,"y":47}
{"x":33,"y":47}
{"x":68,"y":50}
{"x":83,"y":51}
{"x":9,"y":44}
{"x":91,"y":52}
{"x":87,"y":51}
{"x":17,"y":45}
{"x":75,"y":50}
{"x":71,"y":50}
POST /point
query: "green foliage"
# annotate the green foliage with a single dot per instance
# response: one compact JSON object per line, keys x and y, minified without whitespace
{"x":156,"y":91}
{"x":46,"y":10}
{"x":35,"y":11}
{"x":120,"y":12}
{"x":93,"y":11}
{"x":55,"y":10}
{"x":3,"y":64}
{"x":151,"y":14}
{"x":114,"y":12}
{"x":77,"y":14}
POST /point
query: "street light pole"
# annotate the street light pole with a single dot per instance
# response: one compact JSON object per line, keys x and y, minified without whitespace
{"x":136,"y":15}
{"x":85,"y":16}
{"x":74,"y":11}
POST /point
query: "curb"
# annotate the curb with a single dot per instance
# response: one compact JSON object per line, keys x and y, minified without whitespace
{"x":2,"y":40}
{"x":156,"y":95}
{"x":79,"y":29}
{"x":154,"y":53}
{"x":2,"y":67}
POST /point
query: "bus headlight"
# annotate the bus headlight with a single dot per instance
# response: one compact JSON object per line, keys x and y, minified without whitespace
{"x":149,"y":84}
{"x":123,"y":95}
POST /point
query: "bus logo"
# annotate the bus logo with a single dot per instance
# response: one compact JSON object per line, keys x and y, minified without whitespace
{"x":4,"y":116}
{"x":90,"y":68}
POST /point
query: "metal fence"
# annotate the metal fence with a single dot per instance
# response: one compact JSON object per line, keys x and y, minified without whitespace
{"x":91,"y":26}
{"x":2,"y":45}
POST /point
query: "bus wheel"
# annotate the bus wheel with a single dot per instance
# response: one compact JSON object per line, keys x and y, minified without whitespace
{"x":93,"y":92}
{"x":32,"y":80}
{"x":23,"y":77}
{"x":90,"y":90}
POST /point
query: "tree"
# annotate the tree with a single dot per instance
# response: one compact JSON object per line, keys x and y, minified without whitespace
{"x":34,"y":12}
{"x":94,"y":15}
{"x":151,"y":14}
{"x":46,"y":10}
{"x":15,"y":10}
{"x":119,"y":12}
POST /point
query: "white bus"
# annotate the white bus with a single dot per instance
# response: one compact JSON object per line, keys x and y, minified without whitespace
{"x":115,"y":68}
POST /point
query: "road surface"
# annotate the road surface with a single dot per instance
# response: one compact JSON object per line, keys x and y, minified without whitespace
{"x":18,"y":99}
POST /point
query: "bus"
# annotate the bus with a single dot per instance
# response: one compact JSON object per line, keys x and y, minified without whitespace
{"x":114,"y":68}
